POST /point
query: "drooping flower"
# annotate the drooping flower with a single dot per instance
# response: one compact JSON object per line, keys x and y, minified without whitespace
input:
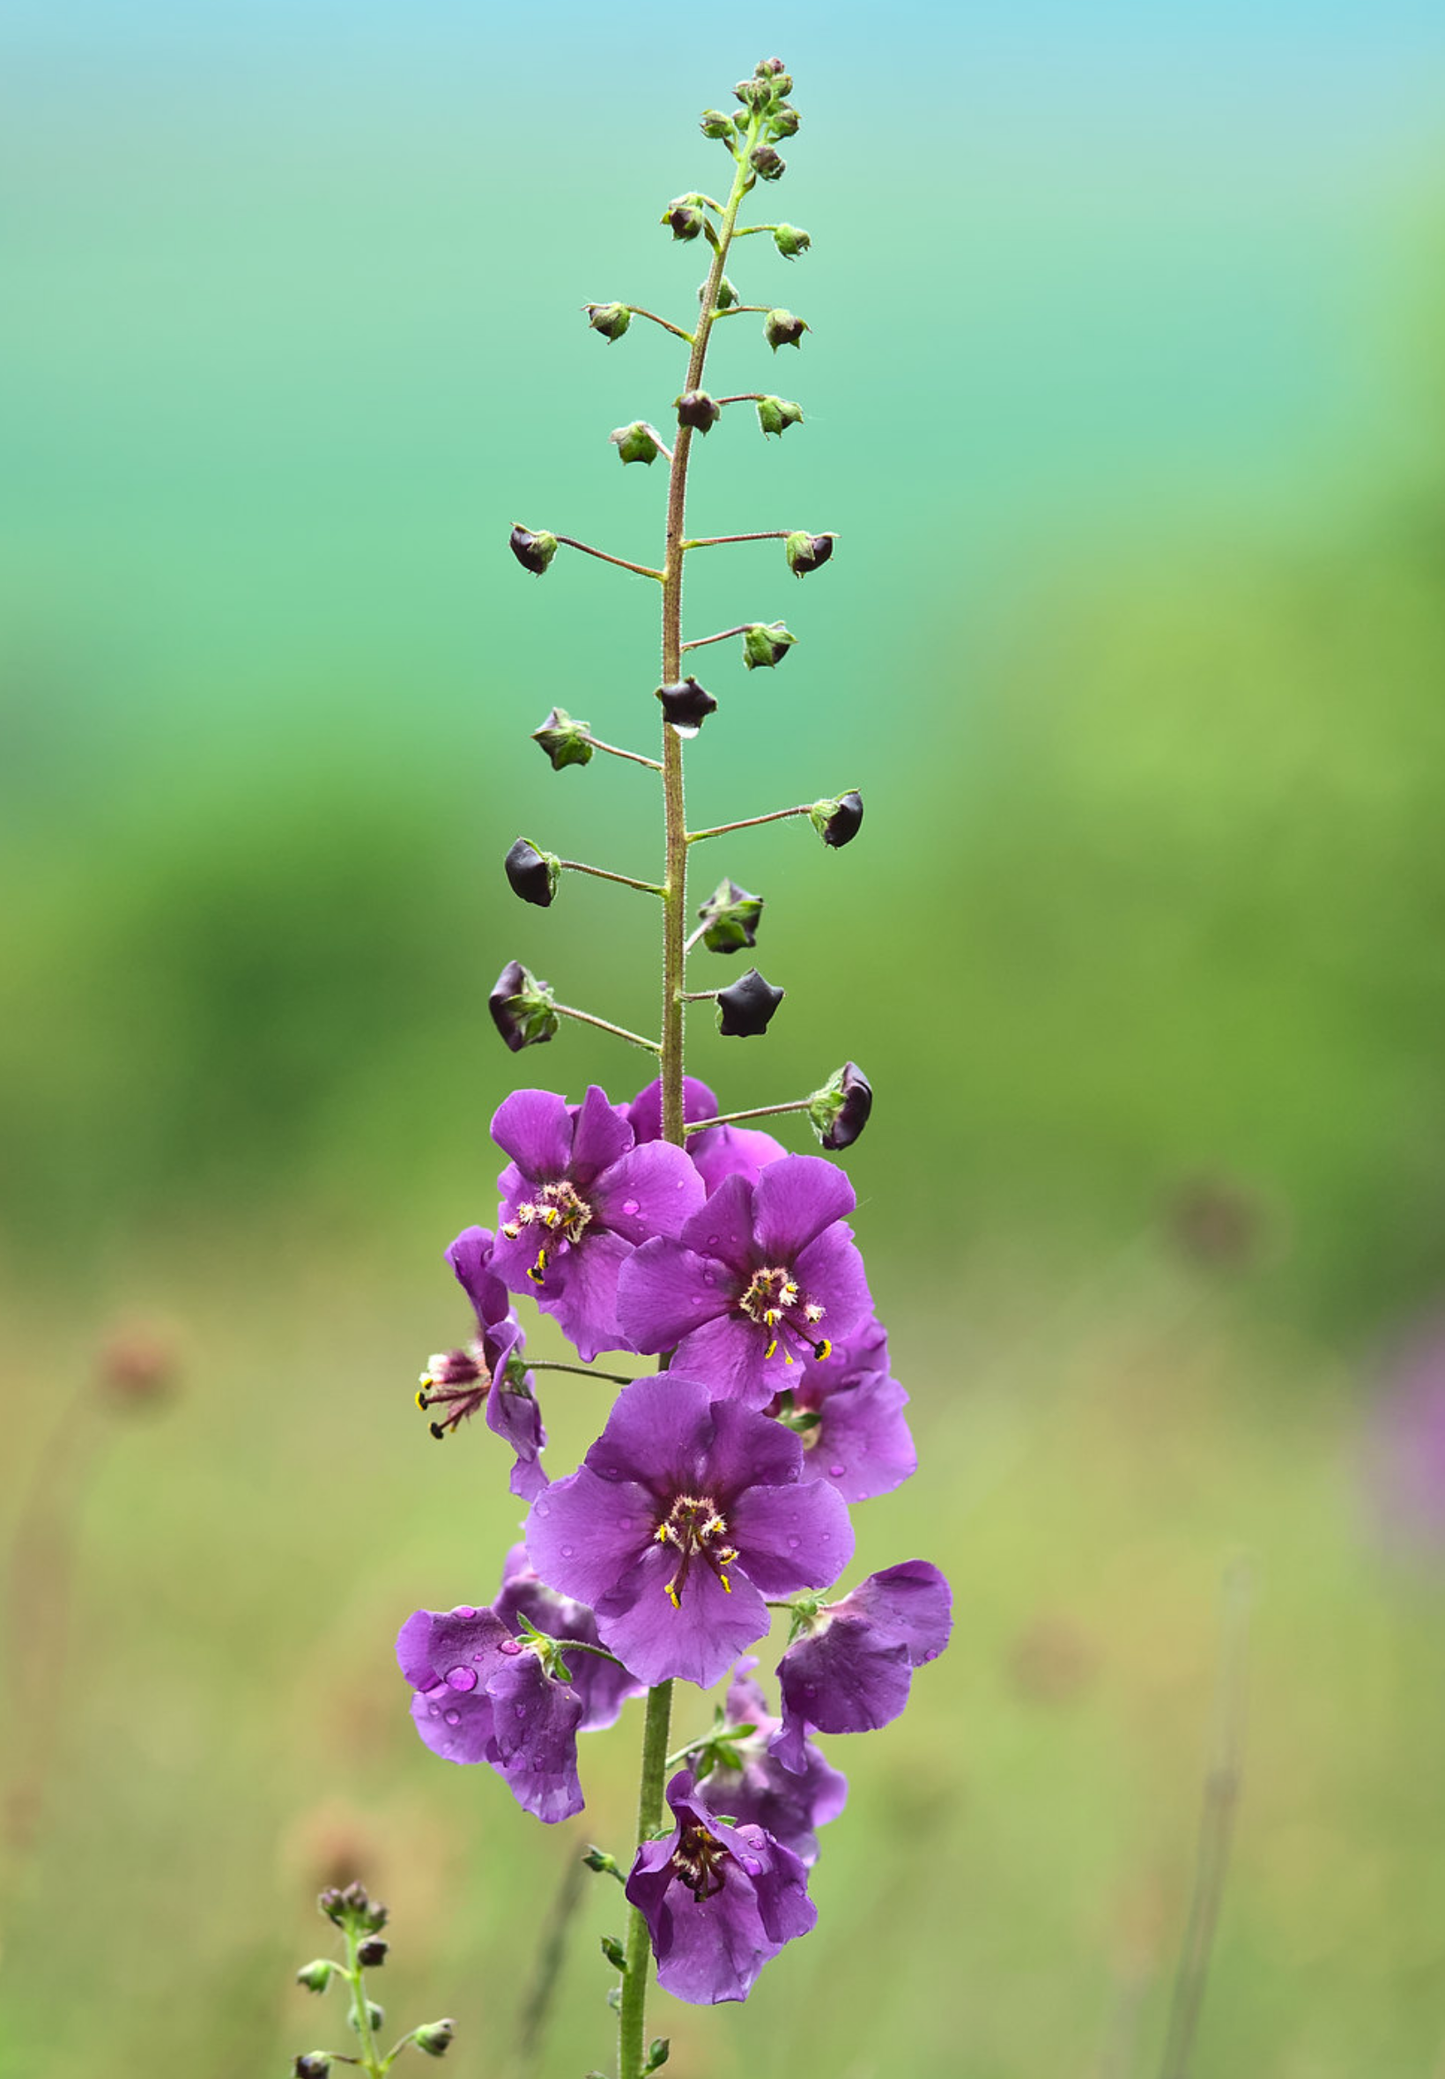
{"x":717,"y":1152}
{"x":578,"y":1197}
{"x":719,"y":1901}
{"x":764,"y":1273}
{"x":746,"y":1782}
{"x":683,"y":1516}
{"x":603,"y":1685}
{"x":851,"y":1669}
{"x":490,"y":1372}
{"x":849,"y":1414}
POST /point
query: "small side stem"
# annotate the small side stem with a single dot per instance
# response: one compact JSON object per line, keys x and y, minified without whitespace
{"x":565,"y":1010}
{"x":737,"y":310}
{"x":762,"y":1111}
{"x":700,"y":642}
{"x":615,"y":751}
{"x":717,"y":541}
{"x":604,"y":874}
{"x":642,"y":569}
{"x":695,"y":837}
{"x":633,"y":2011}
{"x":666,"y":323}
{"x":583,"y":1371}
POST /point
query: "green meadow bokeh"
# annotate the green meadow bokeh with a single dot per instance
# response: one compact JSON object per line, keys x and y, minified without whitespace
{"x":1123,"y":395}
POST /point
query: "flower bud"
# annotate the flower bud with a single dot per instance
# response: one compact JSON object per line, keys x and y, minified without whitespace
{"x":316,"y":1976}
{"x":532,"y":874}
{"x":731,"y":916}
{"x":610,"y":319}
{"x":784,"y":120}
{"x":352,"y":1908}
{"x":745,"y":1008}
{"x":521,"y":1008}
{"x":839,"y":1111}
{"x":774,"y":413}
{"x":781,"y":328}
{"x":766,"y":643}
{"x":564,"y":740}
{"x":312,"y":2064}
{"x":727,"y":295}
{"x":434,"y":2037}
{"x":754,"y":93}
{"x":686,"y":217}
{"x":715,"y":124}
{"x":635,"y":443}
{"x":533,"y":551}
{"x":790,"y":241}
{"x":613,"y":1950}
{"x":766,"y":163}
{"x":687,"y":705}
{"x":604,"y":1864}
{"x":807,"y":551}
{"x":696,"y":409}
{"x":372,"y":1952}
{"x":375,"y":2017}
{"x":837,"y":821}
{"x":658,"y":2053}
{"x":769,"y":68}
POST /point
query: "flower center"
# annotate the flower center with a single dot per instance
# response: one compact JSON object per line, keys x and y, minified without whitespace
{"x":457,"y":1380}
{"x":561,"y":1212}
{"x":700,"y":1859}
{"x":775,"y":1301}
{"x":694,"y":1526}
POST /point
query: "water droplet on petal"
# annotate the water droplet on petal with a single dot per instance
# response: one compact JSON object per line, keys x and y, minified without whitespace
{"x":827,"y":1537}
{"x":464,"y":1610}
{"x":567,"y":1551}
{"x":630,"y":1205}
{"x":521,"y":1710}
{"x":512,"y":1646}
{"x":836,"y":1472}
{"x":708,"y":1278}
{"x":810,"y":1689}
{"x":461,"y":1678}
{"x":712,"y":1241}
{"x":794,"y":1543}
{"x":454,"y":1717}
{"x":434,"y":1710}
{"x":543,"y":1508}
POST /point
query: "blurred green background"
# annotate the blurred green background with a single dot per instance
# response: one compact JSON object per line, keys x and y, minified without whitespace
{"x":1123,"y":394}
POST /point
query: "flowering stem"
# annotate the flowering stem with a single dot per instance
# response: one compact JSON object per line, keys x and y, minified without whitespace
{"x":744,"y":397}
{"x":666,"y":323}
{"x":642,"y":569}
{"x":717,"y":541}
{"x":632,"y":2014}
{"x":605,"y":1025}
{"x":701,"y":641}
{"x":369,"y":2060}
{"x":695,"y":837}
{"x":615,"y":751}
{"x":602,"y":873}
{"x":736,"y":310}
{"x":583,"y":1371}
{"x":762,"y":1111}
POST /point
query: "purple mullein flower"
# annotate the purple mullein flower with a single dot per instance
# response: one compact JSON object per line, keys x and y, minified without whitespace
{"x":749,"y":1784}
{"x":490,"y":1372}
{"x":684,"y":1514}
{"x":603,"y":1684}
{"x":849,"y":1414}
{"x":578,"y":1197}
{"x":719,"y":1151}
{"x":852,"y":1668}
{"x":761,"y":1274}
{"x":719,"y":1901}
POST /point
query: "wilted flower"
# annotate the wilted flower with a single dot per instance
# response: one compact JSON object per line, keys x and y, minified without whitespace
{"x":730,"y":918}
{"x":696,"y":409}
{"x":790,"y":241}
{"x":686,"y":705}
{"x":766,"y":643}
{"x":781,"y":328}
{"x":490,"y":1372}
{"x":685,"y":216}
{"x":838,"y":820}
{"x":636,"y":443}
{"x":531,"y":873}
{"x":851,"y":1669}
{"x":564,"y":740}
{"x":775,"y":414}
{"x":533,"y":551}
{"x":840,"y":1110}
{"x":746,"y":1781}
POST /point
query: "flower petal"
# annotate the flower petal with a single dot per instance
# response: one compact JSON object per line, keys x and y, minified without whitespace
{"x":599,"y":1136}
{"x":645,"y":1111}
{"x":697,"y":1639}
{"x":534,"y":1127}
{"x":749,"y":1450}
{"x":584,"y":1533}
{"x":516,"y":1417}
{"x":652,"y":1190}
{"x":580,"y":1292}
{"x":535,"y":1724}
{"x":659,"y":1434}
{"x":862,"y":1445}
{"x":724,"y":1229}
{"x":664,"y":1290}
{"x":830,"y":1273}
{"x":732,"y":1151}
{"x":791,"y":1537}
{"x":458,"y":1728}
{"x":470,"y":1257}
{"x":910,"y":1603}
{"x":728,"y":1354}
{"x":794,"y":1200}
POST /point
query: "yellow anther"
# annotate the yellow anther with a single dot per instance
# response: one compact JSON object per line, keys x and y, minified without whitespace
{"x":822,"y":1350}
{"x":672,"y":1596}
{"x":727,"y":1584}
{"x":421,"y":1399}
{"x":770,"y":1349}
{"x":662,"y":1533}
{"x":511,"y":1230}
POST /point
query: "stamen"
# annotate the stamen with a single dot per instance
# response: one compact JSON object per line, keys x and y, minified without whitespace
{"x":822,"y":1350}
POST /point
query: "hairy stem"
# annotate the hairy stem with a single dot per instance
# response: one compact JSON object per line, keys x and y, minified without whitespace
{"x":761,"y":1111}
{"x":695,"y":837}
{"x":370,"y":2059}
{"x":616,"y":751}
{"x":642,"y":569}
{"x":632,"y":2016}
{"x":565,"y":1010}
{"x":604,"y":873}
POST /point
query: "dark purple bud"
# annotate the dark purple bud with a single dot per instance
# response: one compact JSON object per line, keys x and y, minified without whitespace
{"x":784,"y":120}
{"x":352,"y":1908}
{"x":434,"y":2037}
{"x":745,"y":1008}
{"x":533,"y":874}
{"x":715,"y":124}
{"x":731,"y":916}
{"x":837,"y":821}
{"x":790,"y":241}
{"x":766,"y":163}
{"x":533,"y":551}
{"x":372,"y":1952}
{"x":686,"y":217}
{"x":314,"y":2064}
{"x":696,"y":409}
{"x":610,"y":319}
{"x":521,"y":1008}
{"x":564,"y":740}
{"x":636,"y":443}
{"x":781,"y":328}
{"x":839,"y":1111}
{"x":687,"y":705}
{"x":775,"y":413}
{"x":807,"y":552}
{"x":766,"y":643}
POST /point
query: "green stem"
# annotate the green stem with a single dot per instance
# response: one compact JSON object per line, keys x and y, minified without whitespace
{"x":604,"y":874}
{"x":642,"y":569}
{"x":632,"y":2015}
{"x":762,"y":1111}
{"x":666,"y":323}
{"x":583,"y":1371}
{"x":718,"y":541}
{"x":695,"y":837}
{"x":370,"y":2061}
{"x":565,"y":1010}
{"x":616,"y":751}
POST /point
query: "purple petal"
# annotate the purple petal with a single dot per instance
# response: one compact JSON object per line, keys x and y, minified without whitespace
{"x":795,"y":1199}
{"x":648,"y":1191}
{"x":830,"y":1273}
{"x":585,"y":1533}
{"x":535,"y":1724}
{"x":724,"y":1229}
{"x":910,"y":1604}
{"x":458,"y":1728}
{"x":862,"y":1444}
{"x":665,"y":1290}
{"x":697,"y":1639}
{"x":660,"y":1434}
{"x":732,"y":1151}
{"x":599,"y":1136}
{"x":434,"y":1642}
{"x":601,"y":1684}
{"x":580,"y":1292}
{"x":645,"y":1111}
{"x":729,"y":1354}
{"x":470,"y":1257}
{"x":534,"y":1127}
{"x":846,"y":1677}
{"x":749,"y":1450}
{"x":791,"y":1537}
{"x":517,"y":1418}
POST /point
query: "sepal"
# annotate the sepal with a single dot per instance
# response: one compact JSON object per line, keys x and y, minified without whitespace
{"x":522,"y":1008}
{"x":840,"y":1110}
{"x":807,"y":552}
{"x":765,"y":644}
{"x":532,"y":873}
{"x":790,"y":241}
{"x":635,"y":443}
{"x":610,"y":319}
{"x":564,"y":740}
{"x":777,"y":413}
{"x":781,"y":328}
{"x":730,"y":916}
{"x":837,"y":820}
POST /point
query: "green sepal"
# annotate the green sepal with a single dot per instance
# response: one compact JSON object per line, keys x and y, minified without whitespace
{"x":776,"y":413}
{"x":790,"y":241}
{"x":766,"y":643}
{"x":635,"y":443}
{"x":563,"y":739}
{"x":613,"y":1950}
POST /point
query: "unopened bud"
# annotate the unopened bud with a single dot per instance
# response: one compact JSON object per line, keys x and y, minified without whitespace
{"x":375,"y":2017}
{"x":715,"y":124}
{"x":766,"y":163}
{"x":775,"y":413}
{"x":769,"y":68}
{"x":727,"y":295}
{"x":784,"y":120}
{"x":658,"y":2053}
{"x":754,"y":93}
{"x":686,"y":218}
{"x":696,"y":409}
{"x":765,"y":643}
{"x":636,"y":443}
{"x":807,"y":552}
{"x":790,"y":241}
{"x":533,"y":551}
{"x":613,"y":1950}
{"x":532,"y":873}
{"x":837,"y":821}
{"x":610,"y":319}
{"x":316,"y":1976}
{"x":604,"y":1864}
{"x":839,"y":1111}
{"x":372,"y":1952}
{"x":522,"y":1008}
{"x":745,"y":1008}
{"x":731,"y":916}
{"x":434,"y":2037}
{"x":687,"y":705}
{"x":564,"y":740}
{"x":312,"y":2064}
{"x":781,"y":328}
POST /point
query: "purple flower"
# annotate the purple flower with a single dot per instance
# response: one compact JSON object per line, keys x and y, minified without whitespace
{"x":761,"y":1274}
{"x":720,"y":1151}
{"x":719,"y":1901}
{"x":578,"y":1196}
{"x":489,"y":1372}
{"x":849,"y":1414}
{"x":603,"y":1686}
{"x":852,"y":1668}
{"x":753,"y":1788}
{"x":684,"y":1514}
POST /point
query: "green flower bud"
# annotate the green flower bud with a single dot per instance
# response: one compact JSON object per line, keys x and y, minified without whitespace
{"x":434,"y":2037}
{"x":727,"y":295}
{"x":685,"y":216}
{"x":604,"y":1864}
{"x":316,"y":1976}
{"x":658,"y":2054}
{"x":837,"y":821}
{"x":610,"y":319}
{"x":766,"y":163}
{"x":564,"y":740}
{"x":807,"y":551}
{"x":352,"y":1908}
{"x":774,"y":413}
{"x":375,"y":2017}
{"x":533,"y":551}
{"x":613,"y":1950}
{"x":766,"y":643}
{"x":769,"y":69}
{"x":840,"y":1110}
{"x":635,"y":443}
{"x":790,"y":241}
{"x":781,"y":328}
{"x":696,"y":409}
{"x":754,"y":93}
{"x":715,"y":124}
{"x":784,"y":121}
{"x":731,"y":916}
{"x":522,"y":1008}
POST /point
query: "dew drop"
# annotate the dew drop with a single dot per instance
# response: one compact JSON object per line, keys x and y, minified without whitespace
{"x":434,"y":1710}
{"x":521,"y":1710}
{"x":709,"y":1278}
{"x":464,"y":1610}
{"x":543,"y":1507}
{"x":794,"y":1543}
{"x":511,"y":1646}
{"x":567,"y":1551}
{"x":454,"y":1717}
{"x":630,"y":1206}
{"x":836,"y":1472}
{"x":810,"y":1689}
{"x":712,"y":1241}
{"x":461,"y":1678}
